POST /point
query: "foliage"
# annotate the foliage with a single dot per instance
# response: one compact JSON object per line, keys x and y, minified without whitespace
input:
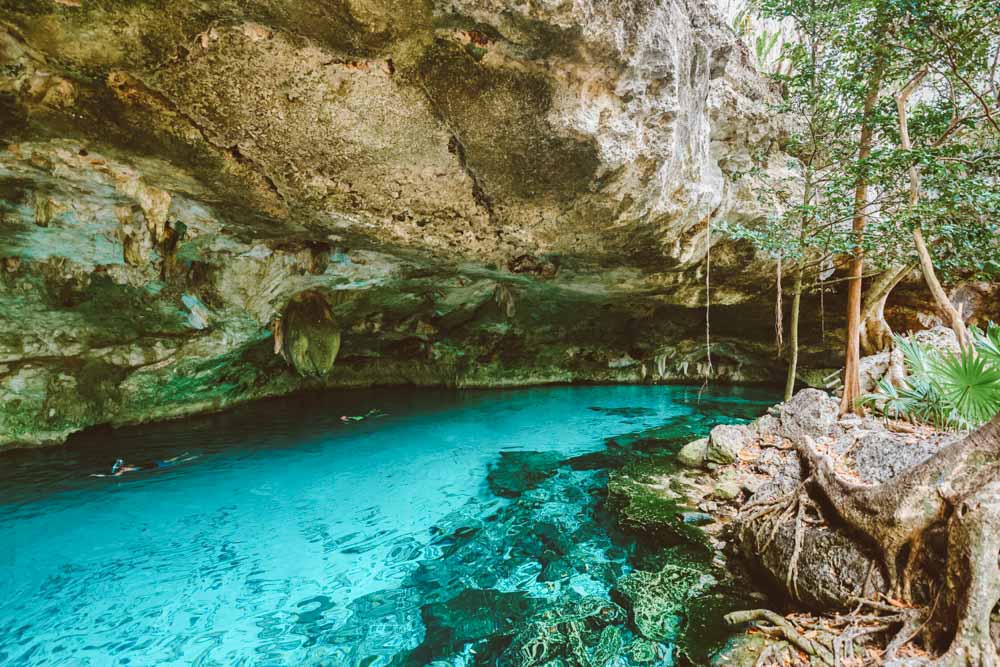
{"x":953,"y":124}
{"x":945,"y":389}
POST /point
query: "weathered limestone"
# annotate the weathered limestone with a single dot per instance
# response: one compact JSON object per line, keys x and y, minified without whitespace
{"x":725,"y":443}
{"x":509,"y":193}
{"x":692,"y":455}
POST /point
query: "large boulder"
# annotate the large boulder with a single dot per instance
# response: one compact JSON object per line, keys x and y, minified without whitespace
{"x":726,"y":441}
{"x":692,"y":455}
{"x":811,"y":412}
{"x":833,"y":570}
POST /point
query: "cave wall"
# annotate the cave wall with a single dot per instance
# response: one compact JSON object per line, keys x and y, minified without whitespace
{"x":484,"y":193}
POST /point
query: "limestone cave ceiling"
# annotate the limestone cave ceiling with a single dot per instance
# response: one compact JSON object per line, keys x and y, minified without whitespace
{"x":465,"y":178}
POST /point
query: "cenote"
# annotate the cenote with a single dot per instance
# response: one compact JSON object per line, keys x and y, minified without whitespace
{"x":462,"y":528}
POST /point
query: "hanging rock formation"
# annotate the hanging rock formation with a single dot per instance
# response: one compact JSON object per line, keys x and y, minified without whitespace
{"x":310,"y":335}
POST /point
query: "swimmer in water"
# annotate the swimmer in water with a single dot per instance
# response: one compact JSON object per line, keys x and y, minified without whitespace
{"x":120,"y":467}
{"x":374,"y":412}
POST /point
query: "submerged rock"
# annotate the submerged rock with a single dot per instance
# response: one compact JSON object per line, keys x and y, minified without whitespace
{"x":473,"y":615}
{"x":657,"y":600}
{"x":516,"y":472}
{"x":583,"y":631}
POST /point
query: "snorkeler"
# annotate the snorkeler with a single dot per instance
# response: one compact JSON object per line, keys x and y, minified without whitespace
{"x":120,"y":467}
{"x":374,"y":412}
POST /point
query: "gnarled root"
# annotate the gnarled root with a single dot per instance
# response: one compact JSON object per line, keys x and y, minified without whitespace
{"x":960,"y":485}
{"x":972,"y":581}
{"x":812,"y":648}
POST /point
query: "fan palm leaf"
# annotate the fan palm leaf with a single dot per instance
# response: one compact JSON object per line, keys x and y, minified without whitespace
{"x":919,"y":358}
{"x":969,"y":384}
{"x":988,"y":344}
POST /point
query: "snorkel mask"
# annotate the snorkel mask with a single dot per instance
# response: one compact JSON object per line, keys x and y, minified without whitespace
{"x":117,"y":466}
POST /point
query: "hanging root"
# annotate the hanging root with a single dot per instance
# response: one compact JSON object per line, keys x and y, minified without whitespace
{"x":777,"y":512}
{"x":792,"y":576}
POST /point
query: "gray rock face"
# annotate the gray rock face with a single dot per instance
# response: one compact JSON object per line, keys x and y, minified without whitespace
{"x":833,"y":570}
{"x":811,"y":412}
{"x":725,"y":443}
{"x":879,"y":456}
{"x":485,"y":192}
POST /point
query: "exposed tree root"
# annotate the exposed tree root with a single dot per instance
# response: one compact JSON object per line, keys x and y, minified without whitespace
{"x":960,"y":487}
{"x":829,"y":641}
{"x":791,"y":634}
{"x":777,"y":512}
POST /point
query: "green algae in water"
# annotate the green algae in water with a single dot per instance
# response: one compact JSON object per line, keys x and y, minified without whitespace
{"x":294,"y":539}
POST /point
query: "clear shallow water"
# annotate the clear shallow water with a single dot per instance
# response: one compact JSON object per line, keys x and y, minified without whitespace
{"x":296,"y":539}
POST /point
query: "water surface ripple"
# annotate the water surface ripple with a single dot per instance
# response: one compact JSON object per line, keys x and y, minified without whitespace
{"x":294,"y":538}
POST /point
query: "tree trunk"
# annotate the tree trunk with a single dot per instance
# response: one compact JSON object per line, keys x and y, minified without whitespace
{"x":926,"y":264}
{"x":958,"y":487}
{"x":876,"y":334}
{"x":955,"y":320}
{"x":850,"y":403}
{"x":793,"y":333}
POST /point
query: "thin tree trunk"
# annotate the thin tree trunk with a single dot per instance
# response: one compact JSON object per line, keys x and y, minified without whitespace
{"x":779,"y":308}
{"x":850,"y":403}
{"x":955,"y":319}
{"x":793,"y":333}
{"x":876,"y":335}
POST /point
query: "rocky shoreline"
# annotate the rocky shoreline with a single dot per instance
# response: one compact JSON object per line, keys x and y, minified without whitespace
{"x":750,"y":489}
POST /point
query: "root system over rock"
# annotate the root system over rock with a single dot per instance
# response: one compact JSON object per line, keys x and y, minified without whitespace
{"x":959,"y":487}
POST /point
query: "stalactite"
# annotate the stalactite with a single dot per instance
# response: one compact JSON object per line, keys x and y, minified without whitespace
{"x":661,"y":365}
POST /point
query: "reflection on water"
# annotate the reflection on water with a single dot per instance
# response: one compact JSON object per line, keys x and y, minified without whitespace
{"x":296,"y":538}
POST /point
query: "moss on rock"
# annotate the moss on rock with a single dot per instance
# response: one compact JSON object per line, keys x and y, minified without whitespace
{"x":657,"y":600}
{"x":645,"y":510}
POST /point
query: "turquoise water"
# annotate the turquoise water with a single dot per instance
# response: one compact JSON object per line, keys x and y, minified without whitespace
{"x":433,"y":535}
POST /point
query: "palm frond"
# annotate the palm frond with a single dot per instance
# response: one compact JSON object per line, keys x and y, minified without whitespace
{"x":969,"y":384}
{"x":987,"y":343}
{"x":919,"y":358}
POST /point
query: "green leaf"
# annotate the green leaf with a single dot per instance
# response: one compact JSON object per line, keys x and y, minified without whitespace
{"x":969,"y":384}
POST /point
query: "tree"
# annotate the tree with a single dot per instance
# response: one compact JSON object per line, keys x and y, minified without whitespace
{"x":818,"y":95}
{"x":944,"y":46}
{"x":907,"y":180}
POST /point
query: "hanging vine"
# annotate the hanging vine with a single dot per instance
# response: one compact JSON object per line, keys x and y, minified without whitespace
{"x":708,"y":306}
{"x":779,"y":324}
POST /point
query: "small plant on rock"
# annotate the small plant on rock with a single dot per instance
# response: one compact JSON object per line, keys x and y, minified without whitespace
{"x":948,"y":390}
